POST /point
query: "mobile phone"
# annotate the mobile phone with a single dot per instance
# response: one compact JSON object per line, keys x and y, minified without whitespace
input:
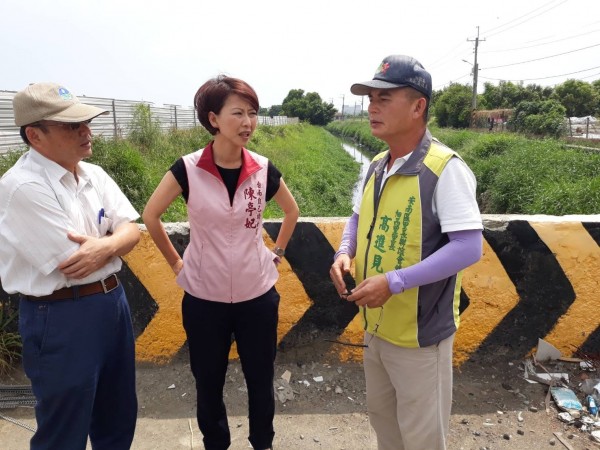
{"x":350,"y":284}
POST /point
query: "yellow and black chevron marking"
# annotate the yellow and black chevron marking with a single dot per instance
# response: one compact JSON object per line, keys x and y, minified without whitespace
{"x":535,"y":280}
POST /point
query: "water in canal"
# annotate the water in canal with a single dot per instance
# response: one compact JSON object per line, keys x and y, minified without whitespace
{"x":364,"y":161}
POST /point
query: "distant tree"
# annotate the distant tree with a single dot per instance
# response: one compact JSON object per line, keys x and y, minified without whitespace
{"x":275,"y":110}
{"x":294,"y":94}
{"x":596,"y":86}
{"x":309,"y":107}
{"x":578,"y":97}
{"x":435,"y":95}
{"x":508,"y":94}
{"x":505,"y":95}
{"x":491,"y":97}
{"x":541,"y":118}
{"x":262,"y":111}
{"x":452,"y":107}
{"x":540,"y":92}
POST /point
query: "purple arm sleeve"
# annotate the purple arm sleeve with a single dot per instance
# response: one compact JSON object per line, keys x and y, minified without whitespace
{"x":463,"y":249}
{"x":348,"y":244}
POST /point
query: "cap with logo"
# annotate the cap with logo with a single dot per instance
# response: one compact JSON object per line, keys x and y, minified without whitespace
{"x":397,"y":71}
{"x":51,"y":101}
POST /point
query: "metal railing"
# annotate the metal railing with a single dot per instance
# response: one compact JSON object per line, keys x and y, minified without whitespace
{"x":584,"y":127}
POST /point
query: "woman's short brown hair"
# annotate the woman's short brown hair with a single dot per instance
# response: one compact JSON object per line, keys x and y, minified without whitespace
{"x":212,"y":96}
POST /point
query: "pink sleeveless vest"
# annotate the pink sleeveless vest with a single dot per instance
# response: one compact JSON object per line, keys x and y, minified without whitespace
{"x":226,"y":259}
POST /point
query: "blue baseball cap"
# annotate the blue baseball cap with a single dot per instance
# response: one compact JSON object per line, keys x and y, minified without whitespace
{"x":397,"y":71}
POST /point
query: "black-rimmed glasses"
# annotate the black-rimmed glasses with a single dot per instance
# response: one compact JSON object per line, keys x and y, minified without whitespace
{"x":73,"y":126}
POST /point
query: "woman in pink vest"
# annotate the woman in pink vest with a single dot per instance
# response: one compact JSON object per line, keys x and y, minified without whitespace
{"x":227,"y":272}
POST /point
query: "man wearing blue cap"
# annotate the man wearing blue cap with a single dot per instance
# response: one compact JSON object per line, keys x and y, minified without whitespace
{"x":415,"y":228}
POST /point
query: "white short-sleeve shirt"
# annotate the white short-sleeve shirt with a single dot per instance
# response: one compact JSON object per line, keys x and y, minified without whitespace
{"x":40,"y":202}
{"x":454,"y":201}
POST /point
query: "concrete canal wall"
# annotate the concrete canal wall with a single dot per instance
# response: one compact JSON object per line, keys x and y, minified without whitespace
{"x":539,"y":277}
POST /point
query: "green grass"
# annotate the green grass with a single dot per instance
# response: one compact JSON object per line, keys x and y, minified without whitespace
{"x":9,"y":159}
{"x":358,"y":131}
{"x":318,"y":171}
{"x":515,"y":174}
{"x":10,"y":340}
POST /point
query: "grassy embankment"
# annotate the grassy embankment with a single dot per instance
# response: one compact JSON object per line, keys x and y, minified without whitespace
{"x":515,"y":174}
{"x":318,"y":171}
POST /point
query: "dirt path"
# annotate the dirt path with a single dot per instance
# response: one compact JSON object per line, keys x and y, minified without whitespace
{"x":493,"y":409}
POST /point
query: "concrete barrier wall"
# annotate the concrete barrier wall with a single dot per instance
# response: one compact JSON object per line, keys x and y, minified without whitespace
{"x":539,"y":277}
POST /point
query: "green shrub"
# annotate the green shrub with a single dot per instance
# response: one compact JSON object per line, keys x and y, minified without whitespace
{"x":138,"y":170}
{"x":318,"y":171}
{"x":494,"y":144}
{"x":7,"y":160}
{"x":457,"y":140}
{"x":540,"y":118}
{"x":126,"y":166}
{"x":564,"y":197}
{"x":10,"y":340}
{"x":453,"y":107}
{"x":539,"y":177}
{"x":144,"y":130}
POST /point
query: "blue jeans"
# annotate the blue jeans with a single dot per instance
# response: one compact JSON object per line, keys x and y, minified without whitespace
{"x":209,"y":326}
{"x":79,"y":355}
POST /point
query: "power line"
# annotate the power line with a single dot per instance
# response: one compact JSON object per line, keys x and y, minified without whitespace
{"x":520,"y":17}
{"x":546,"y":7}
{"x":590,"y":76}
{"x":542,"y":78}
{"x":539,"y":59}
{"x":539,"y":45}
{"x":452,"y":81}
{"x":451,"y":54}
{"x":527,"y":20}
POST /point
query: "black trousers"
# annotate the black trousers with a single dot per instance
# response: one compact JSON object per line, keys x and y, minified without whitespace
{"x":209,"y":326}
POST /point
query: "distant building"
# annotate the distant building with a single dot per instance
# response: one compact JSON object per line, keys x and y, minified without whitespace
{"x":352,"y":110}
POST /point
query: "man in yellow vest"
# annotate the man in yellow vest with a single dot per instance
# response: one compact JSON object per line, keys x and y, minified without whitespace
{"x":414,"y":229}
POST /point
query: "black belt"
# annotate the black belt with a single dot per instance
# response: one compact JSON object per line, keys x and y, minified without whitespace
{"x":106,"y":285}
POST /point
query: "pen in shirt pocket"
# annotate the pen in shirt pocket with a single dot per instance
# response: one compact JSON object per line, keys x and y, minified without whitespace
{"x":100,"y":215}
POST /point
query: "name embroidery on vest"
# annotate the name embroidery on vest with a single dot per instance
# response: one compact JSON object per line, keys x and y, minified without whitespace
{"x":391,"y":235}
{"x":254,"y":197}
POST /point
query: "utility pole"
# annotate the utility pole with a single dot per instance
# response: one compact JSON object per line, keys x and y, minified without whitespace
{"x":475,"y":71}
{"x":342,"y":107}
{"x":362,"y":99}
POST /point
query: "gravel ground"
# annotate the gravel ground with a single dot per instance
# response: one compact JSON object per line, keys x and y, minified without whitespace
{"x":323,"y":407}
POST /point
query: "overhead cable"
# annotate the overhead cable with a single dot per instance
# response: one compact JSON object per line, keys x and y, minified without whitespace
{"x":539,"y":59}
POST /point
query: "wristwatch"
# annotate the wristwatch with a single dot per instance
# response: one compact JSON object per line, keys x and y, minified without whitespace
{"x":279,"y":251}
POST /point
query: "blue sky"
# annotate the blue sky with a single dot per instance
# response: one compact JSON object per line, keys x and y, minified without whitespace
{"x":162,"y":52}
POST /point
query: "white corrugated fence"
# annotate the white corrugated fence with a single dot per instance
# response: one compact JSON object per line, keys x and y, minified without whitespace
{"x":116,"y":124}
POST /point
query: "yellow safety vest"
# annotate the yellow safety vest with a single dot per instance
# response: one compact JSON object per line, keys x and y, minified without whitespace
{"x":396,"y":229}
